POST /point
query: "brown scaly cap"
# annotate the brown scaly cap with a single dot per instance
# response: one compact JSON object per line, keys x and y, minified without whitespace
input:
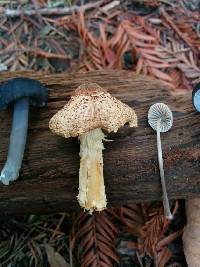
{"x":89,"y":108}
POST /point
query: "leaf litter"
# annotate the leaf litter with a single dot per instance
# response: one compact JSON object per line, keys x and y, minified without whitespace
{"x":160,"y":38}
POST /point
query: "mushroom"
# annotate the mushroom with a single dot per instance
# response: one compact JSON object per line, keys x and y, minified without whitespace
{"x":22,"y":92}
{"x":90,"y":110}
{"x":196,"y":97}
{"x":160,"y":118}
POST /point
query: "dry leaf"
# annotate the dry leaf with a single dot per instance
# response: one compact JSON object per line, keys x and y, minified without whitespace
{"x":54,"y":258}
{"x":148,"y":224}
{"x":96,"y":235}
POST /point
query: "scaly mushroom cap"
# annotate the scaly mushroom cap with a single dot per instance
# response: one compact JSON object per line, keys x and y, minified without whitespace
{"x":89,"y":108}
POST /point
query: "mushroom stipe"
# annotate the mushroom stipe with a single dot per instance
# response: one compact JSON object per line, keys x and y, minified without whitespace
{"x":90,"y":110}
{"x":22,"y":92}
{"x":160,"y":118}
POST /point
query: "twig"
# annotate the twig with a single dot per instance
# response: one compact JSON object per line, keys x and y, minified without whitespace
{"x":47,"y":11}
{"x":110,"y":6}
{"x":36,"y":51}
{"x":139,"y":259}
{"x":57,"y":227}
{"x":167,"y":2}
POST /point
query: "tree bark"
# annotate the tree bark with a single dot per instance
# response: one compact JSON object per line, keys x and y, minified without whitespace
{"x":48,"y":179}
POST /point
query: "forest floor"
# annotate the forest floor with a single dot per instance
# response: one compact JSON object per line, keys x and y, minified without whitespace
{"x":160,"y":38}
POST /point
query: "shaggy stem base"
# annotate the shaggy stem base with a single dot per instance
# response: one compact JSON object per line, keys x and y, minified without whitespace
{"x":91,"y":181}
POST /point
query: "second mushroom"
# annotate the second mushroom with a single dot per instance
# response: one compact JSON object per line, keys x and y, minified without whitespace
{"x":90,"y":111}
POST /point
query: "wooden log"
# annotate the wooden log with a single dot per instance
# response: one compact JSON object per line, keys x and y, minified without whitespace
{"x":48,"y":179}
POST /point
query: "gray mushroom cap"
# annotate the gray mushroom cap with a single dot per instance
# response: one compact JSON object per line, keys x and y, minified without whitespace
{"x":160,"y":111}
{"x":17,"y":88}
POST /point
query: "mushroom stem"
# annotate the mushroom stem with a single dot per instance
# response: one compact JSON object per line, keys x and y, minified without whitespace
{"x":162,"y":175}
{"x":91,"y":181}
{"x":10,"y":171}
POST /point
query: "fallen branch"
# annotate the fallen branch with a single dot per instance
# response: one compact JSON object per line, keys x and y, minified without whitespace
{"x":47,"y":11}
{"x":49,"y":176}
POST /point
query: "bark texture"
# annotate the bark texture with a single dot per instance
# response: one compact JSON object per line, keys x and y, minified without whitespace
{"x":49,"y":176}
